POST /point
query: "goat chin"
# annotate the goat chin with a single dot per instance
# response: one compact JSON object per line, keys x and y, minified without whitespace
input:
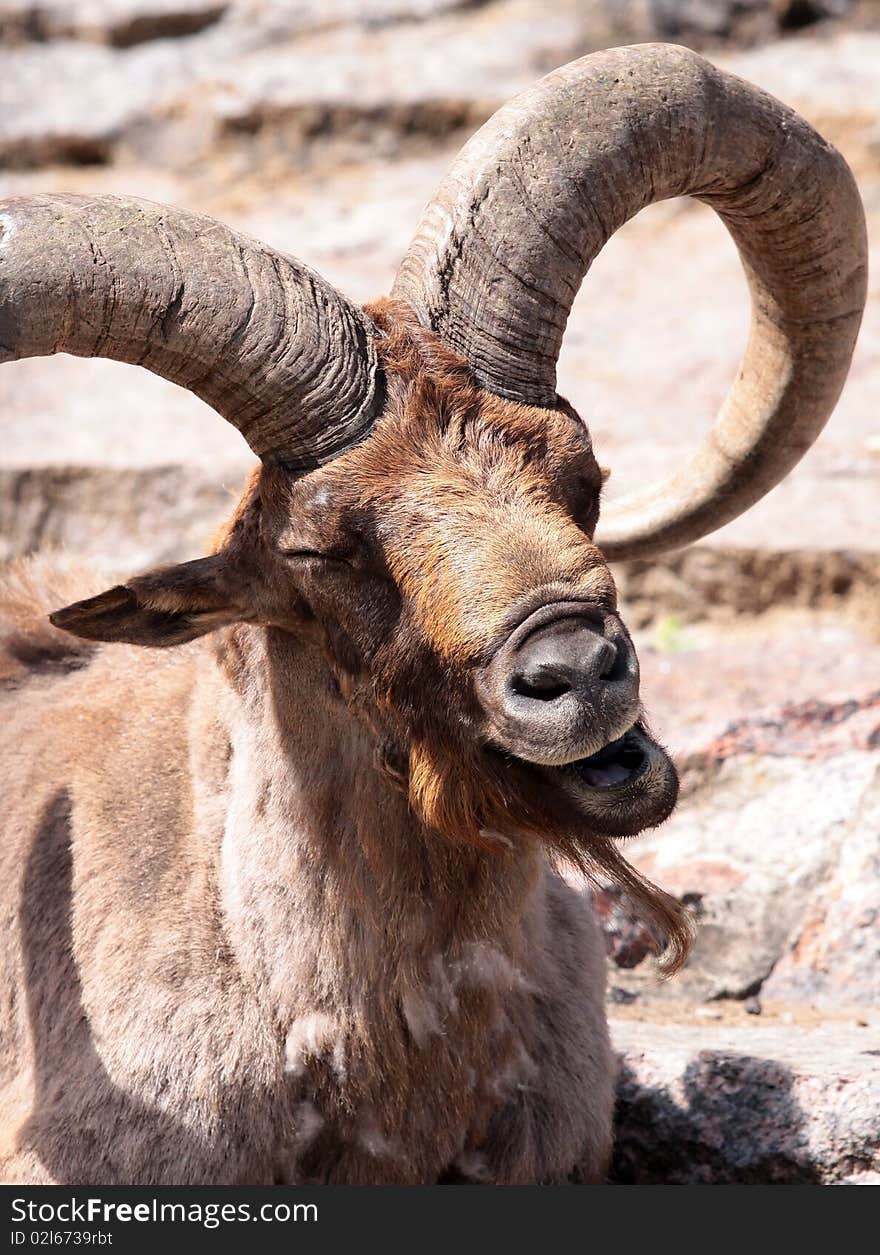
{"x":495,"y":803}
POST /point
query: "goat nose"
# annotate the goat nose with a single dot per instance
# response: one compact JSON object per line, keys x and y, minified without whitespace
{"x":565,"y":682}
{"x":565,"y":657}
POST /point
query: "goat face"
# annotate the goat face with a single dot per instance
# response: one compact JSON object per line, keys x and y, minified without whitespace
{"x":448,"y":560}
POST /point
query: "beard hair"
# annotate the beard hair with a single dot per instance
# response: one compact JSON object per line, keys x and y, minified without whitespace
{"x":462,"y":794}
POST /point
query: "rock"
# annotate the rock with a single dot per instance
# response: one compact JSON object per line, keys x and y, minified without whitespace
{"x":627,"y":939}
{"x":777,"y":838}
{"x":162,"y":511}
{"x":715,"y":581}
{"x":746,"y":668}
{"x":621,"y":997}
{"x":73,"y":102}
{"x":701,"y":22}
{"x":860,"y":1178}
{"x":835,"y":955}
{"x":178,"y":79}
{"x":794,"y":14}
{"x":812,"y":729}
{"x":108,"y":84}
{"x":757,"y":1105}
{"x":121,"y":23}
{"x":131,"y":471}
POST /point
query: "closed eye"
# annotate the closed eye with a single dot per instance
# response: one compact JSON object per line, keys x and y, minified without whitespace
{"x":314,"y":554}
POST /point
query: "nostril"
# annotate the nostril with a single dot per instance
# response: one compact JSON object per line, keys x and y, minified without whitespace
{"x":549,"y":674}
{"x":541,"y":684}
{"x":612,"y":664}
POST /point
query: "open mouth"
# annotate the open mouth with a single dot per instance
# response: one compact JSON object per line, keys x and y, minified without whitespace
{"x":616,"y":764}
{"x":626,"y":786}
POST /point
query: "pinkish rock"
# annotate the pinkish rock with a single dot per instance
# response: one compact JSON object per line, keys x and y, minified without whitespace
{"x":811,"y":729}
{"x":778,"y":853}
{"x":762,"y":1105}
{"x":836,"y":954}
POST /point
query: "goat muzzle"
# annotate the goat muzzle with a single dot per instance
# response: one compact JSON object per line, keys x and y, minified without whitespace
{"x":562,"y":685}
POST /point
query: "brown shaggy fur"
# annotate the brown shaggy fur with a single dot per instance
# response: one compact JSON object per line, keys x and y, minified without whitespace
{"x":29,"y":645}
{"x":273,"y":909}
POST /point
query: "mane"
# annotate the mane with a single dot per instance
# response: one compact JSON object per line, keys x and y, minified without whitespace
{"x":30,"y":588}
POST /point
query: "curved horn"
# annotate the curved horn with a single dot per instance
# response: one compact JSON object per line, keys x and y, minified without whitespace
{"x":500,"y":253}
{"x":269,"y":344}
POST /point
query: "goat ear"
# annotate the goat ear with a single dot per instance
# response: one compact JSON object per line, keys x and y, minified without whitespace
{"x":168,"y":606}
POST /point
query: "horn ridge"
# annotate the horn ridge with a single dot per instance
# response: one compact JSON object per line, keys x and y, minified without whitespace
{"x":273,"y":347}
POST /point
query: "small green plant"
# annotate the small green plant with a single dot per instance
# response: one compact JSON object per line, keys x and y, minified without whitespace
{"x":669,"y":637}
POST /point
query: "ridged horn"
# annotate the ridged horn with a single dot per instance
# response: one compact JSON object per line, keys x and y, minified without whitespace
{"x":275,"y":349}
{"x":501,"y":251}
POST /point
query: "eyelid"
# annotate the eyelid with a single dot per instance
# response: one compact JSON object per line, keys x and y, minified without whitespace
{"x":313,"y":553}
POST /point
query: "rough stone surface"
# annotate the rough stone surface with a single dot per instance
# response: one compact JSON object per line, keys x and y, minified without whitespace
{"x":836,"y":953}
{"x":80,"y":510}
{"x":300,"y":71}
{"x":120,"y":23}
{"x":775,"y":846}
{"x":765,"y":1105}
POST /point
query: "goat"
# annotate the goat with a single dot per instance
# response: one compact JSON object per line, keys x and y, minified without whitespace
{"x":282,"y":903}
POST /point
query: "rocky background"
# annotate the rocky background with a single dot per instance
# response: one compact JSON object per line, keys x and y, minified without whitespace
{"x":323,"y":127}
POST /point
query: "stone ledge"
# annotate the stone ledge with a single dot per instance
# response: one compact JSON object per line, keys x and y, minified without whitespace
{"x":120,"y":520}
{"x":765,"y":1105}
